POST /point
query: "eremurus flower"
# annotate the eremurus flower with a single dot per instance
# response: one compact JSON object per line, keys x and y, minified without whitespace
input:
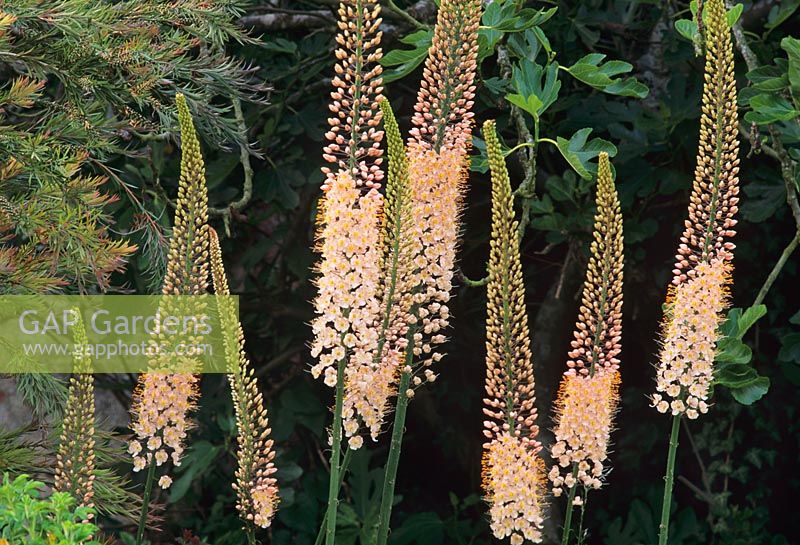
{"x":513,"y":471}
{"x":589,"y":390}
{"x":256,"y":487}
{"x":437,"y":166}
{"x":699,"y":291}
{"x":354,"y":136}
{"x":698,"y":295}
{"x":162,"y":400}
{"x":75,"y":458}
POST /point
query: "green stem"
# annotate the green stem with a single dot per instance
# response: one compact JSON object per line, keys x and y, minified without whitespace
{"x":251,"y":535}
{"x":387,"y":497}
{"x":663,"y":529}
{"x":348,"y":454}
{"x":568,"y":515}
{"x":336,"y":448}
{"x":776,"y":270}
{"x":148,"y":491}
{"x":401,"y":14}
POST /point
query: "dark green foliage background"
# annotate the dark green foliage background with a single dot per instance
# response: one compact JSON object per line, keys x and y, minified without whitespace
{"x":737,"y":466}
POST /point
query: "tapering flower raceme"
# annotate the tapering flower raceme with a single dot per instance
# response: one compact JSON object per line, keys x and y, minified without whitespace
{"x":598,"y":331}
{"x":589,"y":391}
{"x":162,"y":400}
{"x":691,"y":331}
{"x":443,"y":116}
{"x":402,"y":237}
{"x":256,"y":487}
{"x":513,"y":474}
{"x":347,"y":303}
{"x":188,"y":264}
{"x":702,"y":274}
{"x":354,"y":136}
{"x":714,"y":201}
{"x":437,"y":169}
{"x":75,"y":458}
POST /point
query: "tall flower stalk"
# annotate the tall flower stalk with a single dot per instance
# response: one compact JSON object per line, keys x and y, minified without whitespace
{"x":162,"y":400}
{"x":435,"y":163}
{"x":698,"y":295}
{"x":75,"y":458}
{"x":256,"y":487}
{"x":513,"y":471}
{"x":589,"y":391}
{"x":347,"y":305}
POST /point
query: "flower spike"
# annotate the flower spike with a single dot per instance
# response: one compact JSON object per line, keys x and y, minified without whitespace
{"x":354,"y":137}
{"x":513,"y":476}
{"x":162,"y":401}
{"x":699,"y":294}
{"x":75,"y":459}
{"x":443,"y":114}
{"x":589,"y":392}
{"x":256,"y":487}
{"x":370,"y":385}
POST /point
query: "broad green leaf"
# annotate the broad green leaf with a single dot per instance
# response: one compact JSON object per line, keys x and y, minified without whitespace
{"x":590,"y":71}
{"x":530,"y":103}
{"x":544,"y":40}
{"x":487,"y":42}
{"x":578,"y":152}
{"x":752,"y":392}
{"x":732,"y":350}
{"x":561,"y":189}
{"x":531,"y":79}
{"x":288,"y":471}
{"x":786,"y":9}
{"x":749,"y":318}
{"x":488,"y":35}
{"x":734,"y":13}
{"x":419,"y":529}
{"x":735,"y":375}
{"x":771,"y":78}
{"x":790,"y":348}
{"x":199,"y":458}
{"x":688,"y":29}
{"x":769,"y":108}
{"x":522,"y":20}
{"x":404,"y":61}
{"x":543,"y":205}
{"x":763,"y":200}
{"x":479,"y":162}
{"x":792,"y":48}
